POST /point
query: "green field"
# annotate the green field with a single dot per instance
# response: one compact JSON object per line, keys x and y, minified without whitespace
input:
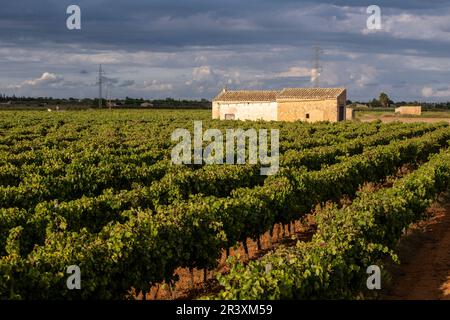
{"x":97,"y":189}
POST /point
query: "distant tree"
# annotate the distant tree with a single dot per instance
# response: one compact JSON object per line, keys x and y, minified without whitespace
{"x":375,"y":103}
{"x":384,"y":100}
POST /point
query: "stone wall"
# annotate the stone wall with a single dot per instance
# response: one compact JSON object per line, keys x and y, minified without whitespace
{"x":308,"y":110}
{"x":215,"y":110}
{"x":349,"y":114}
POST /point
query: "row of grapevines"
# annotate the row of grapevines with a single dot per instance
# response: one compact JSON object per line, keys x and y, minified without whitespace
{"x":334,"y":134}
{"x":211,"y":180}
{"x":221,"y":180}
{"x":43,"y":154}
{"x":348,"y":240}
{"x":79,"y":180}
{"x":93,"y":171}
{"x":148,"y":246}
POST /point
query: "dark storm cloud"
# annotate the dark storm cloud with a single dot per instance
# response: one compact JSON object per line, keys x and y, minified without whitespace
{"x":194,"y":47}
{"x":138,"y":24}
{"x":398,"y":4}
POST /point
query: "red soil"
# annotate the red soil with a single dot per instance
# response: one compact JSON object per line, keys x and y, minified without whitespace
{"x":192,"y":284}
{"x":424,"y":272}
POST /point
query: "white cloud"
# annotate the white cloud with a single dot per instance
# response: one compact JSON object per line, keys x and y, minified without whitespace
{"x":365,"y":76}
{"x":206,"y":79}
{"x":427,"y":92}
{"x":394,"y":22}
{"x":414,"y":61}
{"x":201,"y":73}
{"x":295,"y":72}
{"x":315,"y":74}
{"x":430,"y":92}
{"x":47,"y":78}
{"x":418,"y":26}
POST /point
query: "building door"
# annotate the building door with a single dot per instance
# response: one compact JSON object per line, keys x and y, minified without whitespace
{"x":341,"y":113}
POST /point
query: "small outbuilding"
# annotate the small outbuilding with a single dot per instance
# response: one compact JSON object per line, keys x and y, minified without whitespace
{"x":146,"y":105}
{"x":349,"y":113}
{"x":409,"y":110}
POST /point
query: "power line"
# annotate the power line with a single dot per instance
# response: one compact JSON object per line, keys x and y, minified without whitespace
{"x":108,"y":95}
{"x":317,"y":66}
{"x":100,"y":86}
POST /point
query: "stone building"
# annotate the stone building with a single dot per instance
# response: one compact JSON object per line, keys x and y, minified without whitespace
{"x":349,"y":113}
{"x":409,"y":110}
{"x":291,"y":104}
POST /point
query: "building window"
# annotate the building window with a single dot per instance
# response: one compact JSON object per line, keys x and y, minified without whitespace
{"x":307,"y":116}
{"x":229,"y":116}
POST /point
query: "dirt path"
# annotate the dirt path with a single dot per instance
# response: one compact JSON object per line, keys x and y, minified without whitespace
{"x":424,"y":253}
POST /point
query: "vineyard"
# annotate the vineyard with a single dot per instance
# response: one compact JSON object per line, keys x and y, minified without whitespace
{"x":97,"y":189}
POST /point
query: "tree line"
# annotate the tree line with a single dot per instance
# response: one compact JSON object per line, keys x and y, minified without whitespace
{"x":384,"y":101}
{"x":94,"y":103}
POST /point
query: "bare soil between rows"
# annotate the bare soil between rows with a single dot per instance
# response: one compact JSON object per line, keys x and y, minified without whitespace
{"x":424,"y":252}
{"x":195,"y":283}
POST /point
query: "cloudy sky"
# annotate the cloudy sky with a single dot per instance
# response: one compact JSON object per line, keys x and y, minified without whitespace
{"x":193,"y":48}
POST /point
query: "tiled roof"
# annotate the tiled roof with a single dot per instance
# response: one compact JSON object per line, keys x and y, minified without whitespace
{"x":248,"y":95}
{"x":310,"y":93}
{"x":273,"y":95}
